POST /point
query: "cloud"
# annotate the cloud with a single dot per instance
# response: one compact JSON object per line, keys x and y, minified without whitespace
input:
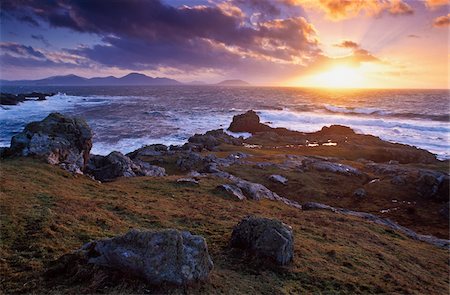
{"x":41,"y":38}
{"x":348,"y":44}
{"x":436,"y":3}
{"x":442,"y":21}
{"x":141,"y":35}
{"x":19,"y":55}
{"x":345,"y":9}
{"x":413,"y":36}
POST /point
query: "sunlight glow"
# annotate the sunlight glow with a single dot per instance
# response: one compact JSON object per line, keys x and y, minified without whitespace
{"x":338,"y":77}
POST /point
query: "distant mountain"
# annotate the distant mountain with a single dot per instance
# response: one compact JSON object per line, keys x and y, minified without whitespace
{"x":233,"y":83}
{"x":132,"y":79}
{"x":197,"y":83}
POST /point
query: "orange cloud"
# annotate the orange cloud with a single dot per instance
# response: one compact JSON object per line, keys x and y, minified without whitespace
{"x":442,"y":21}
{"x":345,"y":9}
{"x":436,"y":3}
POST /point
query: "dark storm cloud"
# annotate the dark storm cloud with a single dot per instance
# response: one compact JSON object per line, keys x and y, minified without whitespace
{"x":14,"y":49}
{"x":41,"y":38}
{"x":142,"y":34}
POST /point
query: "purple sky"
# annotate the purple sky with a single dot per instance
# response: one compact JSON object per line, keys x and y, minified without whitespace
{"x":278,"y":42}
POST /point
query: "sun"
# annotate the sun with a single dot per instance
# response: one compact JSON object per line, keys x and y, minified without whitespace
{"x":339,"y":77}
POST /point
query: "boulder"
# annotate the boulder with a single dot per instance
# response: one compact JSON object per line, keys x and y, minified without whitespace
{"x":278,"y":179}
{"x":444,"y":211}
{"x":332,"y":167}
{"x":232,"y":191}
{"x":117,"y":165}
{"x":58,"y":139}
{"x":162,"y":257}
{"x":264,"y":238}
{"x":248,"y":122}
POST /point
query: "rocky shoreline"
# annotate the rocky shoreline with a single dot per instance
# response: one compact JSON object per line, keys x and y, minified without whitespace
{"x":14,"y":99}
{"x":298,"y":169}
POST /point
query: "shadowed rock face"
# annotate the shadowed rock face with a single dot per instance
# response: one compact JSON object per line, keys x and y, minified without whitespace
{"x":163,"y":257}
{"x":248,"y":122}
{"x":58,"y":139}
{"x":265,"y":238}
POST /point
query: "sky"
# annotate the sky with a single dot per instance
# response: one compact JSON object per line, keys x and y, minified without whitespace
{"x":305,"y":43}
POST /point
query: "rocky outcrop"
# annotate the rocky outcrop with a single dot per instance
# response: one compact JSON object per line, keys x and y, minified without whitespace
{"x":114,"y":165}
{"x":210,"y":140}
{"x":264,"y":238}
{"x":12,"y":99}
{"x":381,"y":221}
{"x":163,"y":257}
{"x":190,"y":161}
{"x":232,"y":191}
{"x":428,"y":183}
{"x":153,"y":150}
{"x":248,"y":122}
{"x":58,"y":139}
{"x":336,"y":130}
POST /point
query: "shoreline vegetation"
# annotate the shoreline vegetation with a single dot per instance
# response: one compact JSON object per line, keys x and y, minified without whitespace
{"x":357,"y":214}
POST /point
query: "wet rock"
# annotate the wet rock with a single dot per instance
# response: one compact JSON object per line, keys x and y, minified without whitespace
{"x":248,"y":122}
{"x":188,"y":181}
{"x":264,"y":238}
{"x":232,"y":191}
{"x":359,"y":193}
{"x":163,"y":257}
{"x":117,"y":165}
{"x":58,"y":139}
{"x":278,"y":179}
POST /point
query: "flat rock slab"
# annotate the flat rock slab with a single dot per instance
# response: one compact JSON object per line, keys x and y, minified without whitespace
{"x":232,"y":191}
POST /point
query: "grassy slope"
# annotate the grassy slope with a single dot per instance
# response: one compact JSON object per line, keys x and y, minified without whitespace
{"x":46,"y":212}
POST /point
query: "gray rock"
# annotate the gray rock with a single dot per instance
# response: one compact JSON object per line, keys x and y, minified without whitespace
{"x":265,"y":238}
{"x":167,"y":256}
{"x":232,"y":191}
{"x":194,"y":161}
{"x":147,"y":169}
{"x":360,"y":193}
{"x":148,"y":151}
{"x":334,"y":168}
{"x":188,"y":181}
{"x":278,"y":179}
{"x":211,"y":139}
{"x":57,"y":139}
{"x":117,"y":165}
{"x":317,"y":206}
{"x":256,"y":191}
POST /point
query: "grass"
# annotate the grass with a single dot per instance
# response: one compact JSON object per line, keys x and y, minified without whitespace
{"x":46,"y":212}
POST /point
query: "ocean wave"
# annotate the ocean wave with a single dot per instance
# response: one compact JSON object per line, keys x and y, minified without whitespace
{"x":381,"y":112}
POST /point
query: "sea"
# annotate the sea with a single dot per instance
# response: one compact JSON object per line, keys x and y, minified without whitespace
{"x":125,"y":118}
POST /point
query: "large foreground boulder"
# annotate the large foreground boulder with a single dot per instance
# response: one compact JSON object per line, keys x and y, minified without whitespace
{"x":114,"y":165}
{"x":265,"y":238}
{"x":58,"y":139}
{"x":248,"y":122}
{"x":162,"y":257}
